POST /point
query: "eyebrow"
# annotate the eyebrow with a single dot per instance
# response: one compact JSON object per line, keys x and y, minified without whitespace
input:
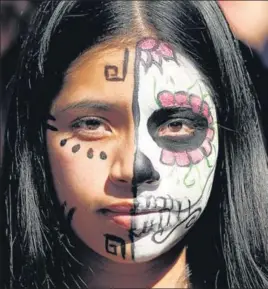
{"x":87,"y":104}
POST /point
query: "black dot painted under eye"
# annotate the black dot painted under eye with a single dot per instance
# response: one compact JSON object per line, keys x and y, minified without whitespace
{"x":76,"y":148}
{"x":103,"y":156}
{"x":90,"y":153}
{"x":63,"y":142}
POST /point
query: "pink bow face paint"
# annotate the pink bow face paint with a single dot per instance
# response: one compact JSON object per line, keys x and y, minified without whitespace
{"x":177,"y":132}
{"x":133,"y":149}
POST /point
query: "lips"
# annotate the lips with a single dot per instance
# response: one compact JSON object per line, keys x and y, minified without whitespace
{"x":119,"y":213}
{"x":124,"y":208}
{"x":128,"y":209}
{"x":122,"y":214}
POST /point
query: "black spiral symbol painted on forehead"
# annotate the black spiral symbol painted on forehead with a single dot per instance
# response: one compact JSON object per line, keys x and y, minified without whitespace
{"x":111,"y":72}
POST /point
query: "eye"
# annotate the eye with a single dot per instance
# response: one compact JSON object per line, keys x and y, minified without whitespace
{"x":91,"y":127}
{"x":176,"y":128}
{"x":91,"y":123}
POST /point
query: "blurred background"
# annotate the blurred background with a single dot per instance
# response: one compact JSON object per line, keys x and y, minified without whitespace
{"x":14,"y":20}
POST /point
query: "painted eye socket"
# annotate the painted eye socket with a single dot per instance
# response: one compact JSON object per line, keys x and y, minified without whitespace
{"x":176,"y":128}
{"x":91,"y":127}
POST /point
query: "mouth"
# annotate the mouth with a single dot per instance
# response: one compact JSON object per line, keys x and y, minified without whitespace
{"x":124,"y":214}
{"x":128,"y":209}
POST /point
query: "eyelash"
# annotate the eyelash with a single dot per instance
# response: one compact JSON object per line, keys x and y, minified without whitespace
{"x":181,"y":122}
{"x":80,"y":126}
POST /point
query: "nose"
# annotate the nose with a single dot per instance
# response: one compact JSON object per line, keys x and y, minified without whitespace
{"x":134,"y":170}
{"x":121,"y":172}
{"x":144,"y":172}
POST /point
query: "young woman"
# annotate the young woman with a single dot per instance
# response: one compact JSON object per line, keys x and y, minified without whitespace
{"x":134,"y":155}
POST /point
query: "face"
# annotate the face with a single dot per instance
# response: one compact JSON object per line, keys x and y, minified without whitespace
{"x":133,"y":143}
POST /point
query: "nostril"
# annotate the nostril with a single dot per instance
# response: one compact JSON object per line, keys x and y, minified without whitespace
{"x":122,"y":181}
{"x":155,"y":181}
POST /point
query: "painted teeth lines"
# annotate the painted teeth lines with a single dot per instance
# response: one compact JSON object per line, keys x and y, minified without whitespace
{"x":154,"y":224}
{"x":165,"y":218}
{"x":158,"y":203}
{"x":90,"y":152}
{"x":170,"y":216}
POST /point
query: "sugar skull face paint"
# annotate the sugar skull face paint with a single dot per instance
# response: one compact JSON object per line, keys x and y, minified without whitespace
{"x":133,"y":148}
{"x":177,"y":133}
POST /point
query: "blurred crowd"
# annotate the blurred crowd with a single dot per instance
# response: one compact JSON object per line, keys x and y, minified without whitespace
{"x":14,"y":19}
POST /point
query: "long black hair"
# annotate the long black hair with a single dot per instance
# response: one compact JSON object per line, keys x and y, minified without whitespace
{"x":228,"y":245}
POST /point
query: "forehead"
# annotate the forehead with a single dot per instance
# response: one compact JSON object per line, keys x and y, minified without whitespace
{"x":86,"y":78}
{"x":172,"y":76}
{"x":93,"y":74}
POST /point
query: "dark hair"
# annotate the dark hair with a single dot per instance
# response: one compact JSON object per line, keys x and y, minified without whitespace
{"x":228,"y":245}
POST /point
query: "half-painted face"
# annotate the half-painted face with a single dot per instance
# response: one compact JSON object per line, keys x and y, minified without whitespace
{"x":133,"y":145}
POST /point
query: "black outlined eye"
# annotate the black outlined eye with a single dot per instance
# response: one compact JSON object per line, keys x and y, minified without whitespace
{"x":91,"y":126}
{"x":176,"y":128}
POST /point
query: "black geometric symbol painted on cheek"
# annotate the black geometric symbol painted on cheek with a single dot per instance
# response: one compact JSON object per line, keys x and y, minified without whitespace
{"x":111,"y":71}
{"x":63,"y":207}
{"x":76,"y":148}
{"x":111,"y":244}
{"x":90,"y":153}
{"x":70,"y":214}
{"x":49,"y":126}
{"x":51,"y":117}
{"x":103,"y":156}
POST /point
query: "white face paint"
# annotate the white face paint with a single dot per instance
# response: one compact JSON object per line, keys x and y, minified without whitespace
{"x":177,"y":131}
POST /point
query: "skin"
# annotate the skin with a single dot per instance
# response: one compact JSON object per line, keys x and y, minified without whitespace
{"x":248,"y":20}
{"x":124,"y":149}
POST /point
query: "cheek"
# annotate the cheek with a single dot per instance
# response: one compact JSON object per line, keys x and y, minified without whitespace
{"x":76,"y":171}
{"x":192,"y":182}
{"x":190,"y":185}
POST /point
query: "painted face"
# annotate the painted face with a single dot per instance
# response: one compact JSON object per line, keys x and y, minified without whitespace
{"x":177,"y":134}
{"x":133,"y":148}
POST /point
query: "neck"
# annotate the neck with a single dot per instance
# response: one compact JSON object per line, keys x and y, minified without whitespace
{"x":167,"y":271}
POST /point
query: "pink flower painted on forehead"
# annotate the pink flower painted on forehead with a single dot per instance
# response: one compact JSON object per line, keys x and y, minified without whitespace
{"x":153,"y":51}
{"x":199,"y":106}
